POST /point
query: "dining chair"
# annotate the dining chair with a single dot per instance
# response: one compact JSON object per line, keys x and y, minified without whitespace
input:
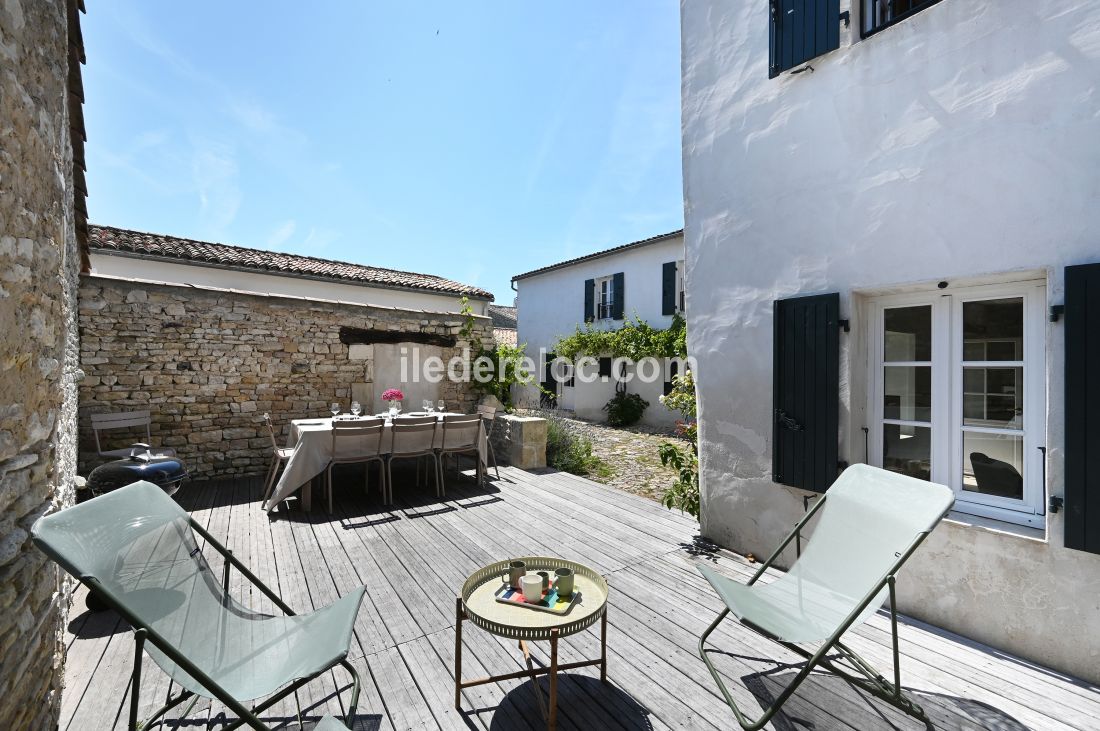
{"x":353,"y":442}
{"x":279,"y":457}
{"x":411,"y":437}
{"x":124,"y":420}
{"x":461,"y":433}
{"x":488,"y":416}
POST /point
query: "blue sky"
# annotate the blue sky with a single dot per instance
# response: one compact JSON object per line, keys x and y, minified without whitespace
{"x":473,"y":140}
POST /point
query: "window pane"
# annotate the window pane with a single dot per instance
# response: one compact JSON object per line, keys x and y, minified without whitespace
{"x":993,"y":329}
{"x":907,"y":393}
{"x":908,"y":333}
{"x":993,"y":464}
{"x":993,"y":397}
{"x":908,"y":450}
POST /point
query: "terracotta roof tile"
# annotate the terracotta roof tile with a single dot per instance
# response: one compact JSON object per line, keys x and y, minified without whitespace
{"x":503,"y":316}
{"x":106,"y":239}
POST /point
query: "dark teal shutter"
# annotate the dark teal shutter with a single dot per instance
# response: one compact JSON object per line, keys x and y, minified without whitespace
{"x":668,"y":288}
{"x":800,"y":30}
{"x":1082,"y":331}
{"x":618,"y":305}
{"x":673,"y":369}
{"x":806,"y":391}
{"x":589,"y":300}
{"x":548,"y":398}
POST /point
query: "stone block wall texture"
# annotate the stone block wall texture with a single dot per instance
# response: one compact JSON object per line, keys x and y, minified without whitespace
{"x":209,"y":363}
{"x":519,"y":441}
{"x":38,"y":367}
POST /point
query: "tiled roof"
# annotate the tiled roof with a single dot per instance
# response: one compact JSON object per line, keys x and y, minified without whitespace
{"x":598,"y":254}
{"x":505,"y":335}
{"x":503,"y":316}
{"x":108,"y":239}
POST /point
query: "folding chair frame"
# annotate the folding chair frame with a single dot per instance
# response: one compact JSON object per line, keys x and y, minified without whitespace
{"x":143,"y":634}
{"x":869,"y":679}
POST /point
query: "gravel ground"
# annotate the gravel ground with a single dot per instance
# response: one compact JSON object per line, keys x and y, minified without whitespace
{"x":630,"y":453}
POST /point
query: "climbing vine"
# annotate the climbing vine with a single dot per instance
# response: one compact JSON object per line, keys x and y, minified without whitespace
{"x":635,"y":340}
{"x":505,"y":363}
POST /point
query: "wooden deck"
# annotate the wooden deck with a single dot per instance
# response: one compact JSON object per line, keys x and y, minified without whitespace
{"x":414,"y":559}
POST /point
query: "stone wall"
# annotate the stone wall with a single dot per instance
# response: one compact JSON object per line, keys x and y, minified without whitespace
{"x":519,"y":441}
{"x":38,"y":262}
{"x":209,"y":363}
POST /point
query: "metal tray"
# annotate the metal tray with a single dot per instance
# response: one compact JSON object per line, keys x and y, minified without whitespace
{"x":550,"y":603}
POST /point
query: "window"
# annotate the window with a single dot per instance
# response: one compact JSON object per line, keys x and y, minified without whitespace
{"x":680,"y":286}
{"x":958,"y":395}
{"x":672,"y":287}
{"x":879,"y":14}
{"x":605,"y":298}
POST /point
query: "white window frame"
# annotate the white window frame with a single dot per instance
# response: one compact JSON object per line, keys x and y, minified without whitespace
{"x":947,"y":394}
{"x":604,"y":307}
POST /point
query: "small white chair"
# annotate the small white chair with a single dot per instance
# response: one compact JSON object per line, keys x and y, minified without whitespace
{"x":279,"y":457}
{"x":124,"y":420}
{"x":460,"y":436}
{"x":353,"y":442}
{"x":488,"y":417}
{"x":411,"y":437}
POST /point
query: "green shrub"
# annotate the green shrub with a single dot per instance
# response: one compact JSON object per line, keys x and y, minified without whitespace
{"x":570,"y":452}
{"x":625,"y":409}
{"x":684,"y":493}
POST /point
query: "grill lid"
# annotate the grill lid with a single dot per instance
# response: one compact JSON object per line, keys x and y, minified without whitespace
{"x":165,"y":471}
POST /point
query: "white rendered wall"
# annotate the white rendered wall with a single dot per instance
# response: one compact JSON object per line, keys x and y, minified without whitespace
{"x":255,"y":282}
{"x":551,"y":305}
{"x":959,"y":144}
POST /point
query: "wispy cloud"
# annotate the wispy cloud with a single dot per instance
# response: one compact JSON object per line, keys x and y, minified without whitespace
{"x":281,"y":234}
{"x":215,"y":173}
{"x":319,"y":238}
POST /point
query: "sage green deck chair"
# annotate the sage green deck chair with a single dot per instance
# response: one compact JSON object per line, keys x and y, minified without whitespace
{"x":135,"y":549}
{"x":871,"y":522}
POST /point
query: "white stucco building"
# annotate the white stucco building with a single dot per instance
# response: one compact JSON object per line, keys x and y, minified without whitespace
{"x":928,"y":179}
{"x":640,"y":280}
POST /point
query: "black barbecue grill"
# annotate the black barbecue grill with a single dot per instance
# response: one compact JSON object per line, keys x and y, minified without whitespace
{"x":164,"y":471}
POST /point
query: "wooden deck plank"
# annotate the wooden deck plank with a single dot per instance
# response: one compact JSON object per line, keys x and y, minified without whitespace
{"x":414,"y":557}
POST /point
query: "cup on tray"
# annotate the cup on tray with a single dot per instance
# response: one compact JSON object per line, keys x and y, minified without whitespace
{"x":564,"y":581}
{"x":531,"y":586}
{"x":516,"y":570}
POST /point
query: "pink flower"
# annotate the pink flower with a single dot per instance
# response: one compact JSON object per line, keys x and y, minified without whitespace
{"x":393,"y":394}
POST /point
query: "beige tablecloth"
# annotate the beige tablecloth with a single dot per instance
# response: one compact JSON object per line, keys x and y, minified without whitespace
{"x":312,"y":443}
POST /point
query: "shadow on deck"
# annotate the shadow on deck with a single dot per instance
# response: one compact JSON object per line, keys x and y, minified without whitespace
{"x":414,"y":556}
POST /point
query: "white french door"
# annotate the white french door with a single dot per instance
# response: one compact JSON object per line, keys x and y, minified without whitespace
{"x":958,"y":394}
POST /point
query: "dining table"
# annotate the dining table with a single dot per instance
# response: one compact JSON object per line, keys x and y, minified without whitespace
{"x":311,"y":440}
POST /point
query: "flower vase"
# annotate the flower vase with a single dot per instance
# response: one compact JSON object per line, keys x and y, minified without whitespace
{"x":395,"y":405}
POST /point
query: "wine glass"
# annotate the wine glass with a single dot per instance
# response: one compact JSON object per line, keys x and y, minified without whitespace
{"x":426,"y":404}
{"x":335,"y":409}
{"x":397,"y":407}
{"x":355,"y":408}
{"x":440,"y":404}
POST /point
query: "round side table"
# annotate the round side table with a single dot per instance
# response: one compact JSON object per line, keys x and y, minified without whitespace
{"x":478,"y":604}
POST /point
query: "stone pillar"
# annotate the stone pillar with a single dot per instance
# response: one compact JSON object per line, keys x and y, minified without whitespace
{"x":38,"y":368}
{"x":519,"y":441}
